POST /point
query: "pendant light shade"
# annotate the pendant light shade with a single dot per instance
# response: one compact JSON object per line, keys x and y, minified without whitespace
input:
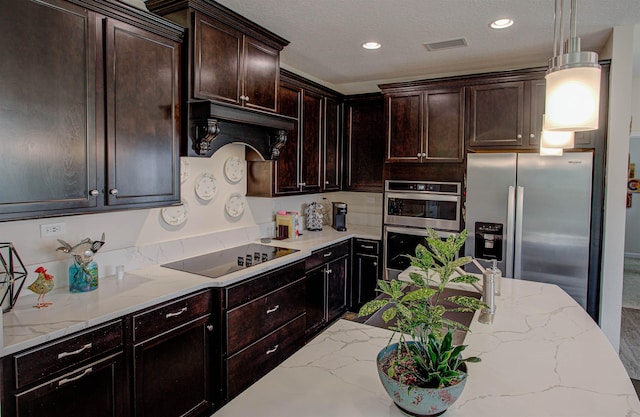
{"x":572,"y":100}
{"x":555,"y":139}
{"x":550,"y":151}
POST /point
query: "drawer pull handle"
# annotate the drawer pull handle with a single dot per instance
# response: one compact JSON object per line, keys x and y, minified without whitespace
{"x":326,"y":255}
{"x":270,"y":351}
{"x":177,"y":313}
{"x":75,"y":352}
{"x":273,"y":310}
{"x":75,"y":378}
{"x":367,"y":246}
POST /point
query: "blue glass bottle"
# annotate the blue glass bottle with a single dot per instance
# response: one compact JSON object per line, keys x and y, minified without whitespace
{"x":83,"y":278}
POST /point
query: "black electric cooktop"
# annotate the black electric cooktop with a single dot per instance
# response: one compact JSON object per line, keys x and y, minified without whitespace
{"x":226,"y":261}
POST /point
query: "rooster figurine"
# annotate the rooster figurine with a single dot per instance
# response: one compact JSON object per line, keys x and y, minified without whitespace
{"x":42,"y":285}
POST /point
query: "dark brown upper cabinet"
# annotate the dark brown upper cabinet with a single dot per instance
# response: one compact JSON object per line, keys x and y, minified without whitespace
{"x":310,"y":161}
{"x":424,"y":124}
{"x":232,"y":67}
{"x":143,"y":109}
{"x":331,"y":155}
{"x":364,"y":143}
{"x":496,"y":114}
{"x":106,"y":137}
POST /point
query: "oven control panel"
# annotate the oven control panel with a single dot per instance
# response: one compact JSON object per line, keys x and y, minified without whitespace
{"x":423,"y":186}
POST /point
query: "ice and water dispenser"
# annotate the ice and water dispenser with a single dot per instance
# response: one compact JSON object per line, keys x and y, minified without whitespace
{"x":488,"y":244}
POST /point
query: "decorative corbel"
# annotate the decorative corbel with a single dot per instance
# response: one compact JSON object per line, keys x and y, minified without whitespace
{"x":206,"y":131}
{"x":281,"y":139}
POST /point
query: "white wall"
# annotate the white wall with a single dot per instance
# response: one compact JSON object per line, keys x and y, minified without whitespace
{"x":615,"y":186}
{"x":632,"y":222}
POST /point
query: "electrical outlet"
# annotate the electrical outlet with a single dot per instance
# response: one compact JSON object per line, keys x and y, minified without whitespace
{"x":53,"y":229}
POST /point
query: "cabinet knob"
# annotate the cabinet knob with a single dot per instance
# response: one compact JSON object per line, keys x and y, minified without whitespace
{"x":375,"y":264}
{"x":244,"y":98}
{"x":113,"y":191}
{"x":418,"y":155}
{"x":424,"y":154}
{"x":532,"y":135}
{"x":519,"y":136}
{"x":210,"y":327}
{"x":94,"y":193}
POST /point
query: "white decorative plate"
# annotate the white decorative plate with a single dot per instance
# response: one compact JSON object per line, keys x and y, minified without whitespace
{"x":175,"y":215}
{"x":234,"y":169}
{"x":185,"y":168}
{"x":235,"y":205}
{"x":205,"y":186}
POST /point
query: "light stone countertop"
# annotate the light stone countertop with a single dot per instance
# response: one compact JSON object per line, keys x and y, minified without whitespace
{"x":543,"y":356}
{"x":25,"y":327}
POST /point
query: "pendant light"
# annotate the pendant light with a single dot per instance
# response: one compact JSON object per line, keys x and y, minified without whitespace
{"x":572,"y":80}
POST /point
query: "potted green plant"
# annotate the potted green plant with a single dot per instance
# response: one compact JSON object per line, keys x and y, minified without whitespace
{"x":424,"y":372}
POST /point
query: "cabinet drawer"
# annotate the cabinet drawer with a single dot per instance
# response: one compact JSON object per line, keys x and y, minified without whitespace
{"x":250,"y":364}
{"x":39,"y":363}
{"x":167,"y":316}
{"x":253,"y":288}
{"x":371,"y":247}
{"x":251,"y":321}
{"x":327,"y":255}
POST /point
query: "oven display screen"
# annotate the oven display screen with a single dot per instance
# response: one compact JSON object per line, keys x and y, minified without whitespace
{"x":426,"y":209}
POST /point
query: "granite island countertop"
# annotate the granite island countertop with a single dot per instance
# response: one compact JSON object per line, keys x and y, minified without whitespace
{"x":542,"y":356}
{"x":25,"y":327}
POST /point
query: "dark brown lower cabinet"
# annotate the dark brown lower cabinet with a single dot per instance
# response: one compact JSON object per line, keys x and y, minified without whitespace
{"x":96,"y":390}
{"x":264,"y":318}
{"x":171,"y":372}
{"x":171,"y":358}
{"x":326,"y":286}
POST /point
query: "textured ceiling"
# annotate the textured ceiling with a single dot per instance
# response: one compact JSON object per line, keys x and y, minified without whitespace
{"x":326,"y":35}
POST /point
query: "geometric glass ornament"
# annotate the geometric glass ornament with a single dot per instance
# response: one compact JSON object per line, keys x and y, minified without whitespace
{"x":13,"y":275}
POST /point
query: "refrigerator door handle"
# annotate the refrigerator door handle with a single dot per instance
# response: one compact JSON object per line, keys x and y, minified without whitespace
{"x":511,"y":210}
{"x":517,"y":258}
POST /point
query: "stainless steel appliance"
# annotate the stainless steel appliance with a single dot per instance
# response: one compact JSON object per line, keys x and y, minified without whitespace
{"x":226,"y":261}
{"x":340,"y":216}
{"x":532,"y":214}
{"x":409,"y":208}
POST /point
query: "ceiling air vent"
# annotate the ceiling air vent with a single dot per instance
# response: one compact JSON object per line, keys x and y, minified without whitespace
{"x":451,"y":43}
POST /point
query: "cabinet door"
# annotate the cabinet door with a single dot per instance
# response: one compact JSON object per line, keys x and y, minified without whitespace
{"x":47,"y":107}
{"x":538,"y":91}
{"x":97,"y":389}
{"x":217,"y":51}
{"x":495,"y":114}
{"x":331,"y":145}
{"x":171,"y":372}
{"x":364,"y":133}
{"x":261,"y":75}
{"x":142,"y":80}
{"x":404,"y":127}
{"x":444,"y":124}
{"x":365,"y":278}
{"x":311,"y":141}
{"x":336,"y":272}
{"x":315,"y":298}
{"x":287,"y":166}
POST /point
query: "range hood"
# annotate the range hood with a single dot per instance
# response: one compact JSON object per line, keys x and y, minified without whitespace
{"x":213,"y":125}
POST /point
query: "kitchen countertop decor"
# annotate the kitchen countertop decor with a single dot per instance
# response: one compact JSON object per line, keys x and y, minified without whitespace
{"x":542,"y":356}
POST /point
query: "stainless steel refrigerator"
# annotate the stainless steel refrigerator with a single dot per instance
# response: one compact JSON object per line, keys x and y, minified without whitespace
{"x":532,"y":214}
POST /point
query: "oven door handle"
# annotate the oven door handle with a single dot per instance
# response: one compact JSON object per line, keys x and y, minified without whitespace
{"x":418,"y":232}
{"x":424,"y":197}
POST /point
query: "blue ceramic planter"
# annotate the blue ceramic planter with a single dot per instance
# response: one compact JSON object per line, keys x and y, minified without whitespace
{"x":418,"y":401}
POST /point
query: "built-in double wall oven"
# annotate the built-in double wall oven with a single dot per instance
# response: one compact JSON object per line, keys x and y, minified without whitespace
{"x":409,"y":208}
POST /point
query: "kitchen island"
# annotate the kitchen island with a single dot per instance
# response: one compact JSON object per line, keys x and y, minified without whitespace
{"x":542,"y":356}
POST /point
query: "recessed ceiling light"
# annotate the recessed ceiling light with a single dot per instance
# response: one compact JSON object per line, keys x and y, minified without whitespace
{"x":501,"y":23}
{"x":371,"y":45}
